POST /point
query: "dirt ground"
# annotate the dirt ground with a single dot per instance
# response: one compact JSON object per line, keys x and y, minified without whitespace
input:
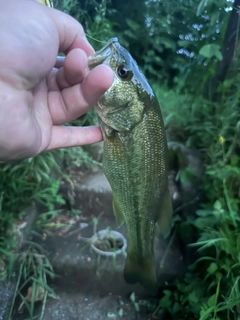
{"x":88,"y":288}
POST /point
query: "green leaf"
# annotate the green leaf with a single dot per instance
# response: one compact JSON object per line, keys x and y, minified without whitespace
{"x":176,"y":307}
{"x":234,"y":170}
{"x":234,"y":160}
{"x":218,"y":55}
{"x":130,"y":34}
{"x":184,"y":43}
{"x":204,"y":314}
{"x":193,"y":297}
{"x":203,"y":222}
{"x":203,"y":213}
{"x":219,"y":275}
{"x":212,"y":300}
{"x":165,"y":301}
{"x":214,"y":17}
{"x":210,"y":51}
{"x":217,"y":205}
{"x":185,"y":176}
{"x":238,"y":242}
{"x":132,"y":24}
{"x":168,"y":43}
{"x":227,"y":83}
{"x":111,"y":315}
{"x":201,"y":7}
{"x":133,"y":297}
{"x":228,"y":305}
{"x":136,"y":306}
{"x":212,"y":268}
{"x":120,"y":312}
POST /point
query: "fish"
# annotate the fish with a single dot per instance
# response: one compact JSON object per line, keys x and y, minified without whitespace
{"x":134,"y":160}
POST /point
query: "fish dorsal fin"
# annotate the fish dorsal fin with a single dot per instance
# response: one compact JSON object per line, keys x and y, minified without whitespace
{"x":164,"y":223}
{"x":118,"y":215}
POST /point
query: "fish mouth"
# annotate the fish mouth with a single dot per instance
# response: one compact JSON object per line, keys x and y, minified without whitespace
{"x":104,"y":53}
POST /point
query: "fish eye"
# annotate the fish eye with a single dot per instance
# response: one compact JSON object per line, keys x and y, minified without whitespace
{"x":123,"y":73}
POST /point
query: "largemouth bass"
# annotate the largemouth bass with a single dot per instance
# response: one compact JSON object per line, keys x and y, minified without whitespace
{"x":134,"y":160}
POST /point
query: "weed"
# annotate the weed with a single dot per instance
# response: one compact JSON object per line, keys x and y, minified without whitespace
{"x":210,"y":289}
{"x":34,"y":270}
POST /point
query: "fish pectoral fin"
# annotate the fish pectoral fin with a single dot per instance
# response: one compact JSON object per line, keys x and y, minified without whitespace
{"x":142,"y":270}
{"x":117,"y":213}
{"x":164,"y":223}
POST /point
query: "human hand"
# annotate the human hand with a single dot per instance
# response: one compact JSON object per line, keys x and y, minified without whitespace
{"x":36,"y":99}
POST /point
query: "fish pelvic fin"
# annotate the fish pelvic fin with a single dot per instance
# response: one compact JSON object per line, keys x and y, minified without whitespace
{"x":164,"y":223}
{"x":117,"y":213}
{"x":142,"y":270}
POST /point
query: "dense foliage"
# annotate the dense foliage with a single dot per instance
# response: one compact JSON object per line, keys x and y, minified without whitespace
{"x":189,"y":51}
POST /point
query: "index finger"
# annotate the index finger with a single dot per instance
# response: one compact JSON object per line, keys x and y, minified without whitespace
{"x":70,"y":32}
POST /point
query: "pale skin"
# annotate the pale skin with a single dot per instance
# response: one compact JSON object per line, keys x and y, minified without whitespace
{"x":38,"y":91}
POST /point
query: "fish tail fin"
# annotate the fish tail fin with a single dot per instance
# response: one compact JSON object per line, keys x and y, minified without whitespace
{"x":142,"y":270}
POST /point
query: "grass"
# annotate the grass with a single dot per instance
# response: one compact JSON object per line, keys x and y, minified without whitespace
{"x":32,"y":181}
{"x":210,"y":289}
{"x":31,"y":270}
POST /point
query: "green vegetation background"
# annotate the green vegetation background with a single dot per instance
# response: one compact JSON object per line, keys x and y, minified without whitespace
{"x":189,"y":51}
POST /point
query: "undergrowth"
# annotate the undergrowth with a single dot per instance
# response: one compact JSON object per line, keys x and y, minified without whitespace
{"x":210,"y":289}
{"x":33,"y":272}
{"x":24,"y":183}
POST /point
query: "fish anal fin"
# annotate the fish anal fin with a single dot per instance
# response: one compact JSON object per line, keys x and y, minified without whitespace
{"x":164,"y":223}
{"x":117,"y":213}
{"x":142,"y":270}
